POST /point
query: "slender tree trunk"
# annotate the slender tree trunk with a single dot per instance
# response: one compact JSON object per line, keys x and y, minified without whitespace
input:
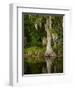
{"x":48,"y":27}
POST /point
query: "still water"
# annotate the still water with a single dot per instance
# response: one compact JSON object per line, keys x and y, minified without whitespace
{"x":39,"y":65}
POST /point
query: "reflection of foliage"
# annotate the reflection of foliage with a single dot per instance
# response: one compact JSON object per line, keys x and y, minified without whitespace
{"x":34,"y":31}
{"x":34,"y":64}
{"x":34,"y":59}
{"x":57,"y":65}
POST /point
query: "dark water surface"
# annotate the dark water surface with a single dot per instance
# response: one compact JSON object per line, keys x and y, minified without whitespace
{"x":39,"y":65}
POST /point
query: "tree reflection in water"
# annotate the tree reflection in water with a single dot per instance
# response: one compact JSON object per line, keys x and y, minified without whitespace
{"x":38,"y":65}
{"x":49,"y":62}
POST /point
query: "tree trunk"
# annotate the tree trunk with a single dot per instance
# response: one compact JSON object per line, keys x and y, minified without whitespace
{"x":48,"y":27}
{"x":49,"y":62}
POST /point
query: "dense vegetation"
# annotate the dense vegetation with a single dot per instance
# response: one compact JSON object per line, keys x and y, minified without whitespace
{"x":34,"y":32}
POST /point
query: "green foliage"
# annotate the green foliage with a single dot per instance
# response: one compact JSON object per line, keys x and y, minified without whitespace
{"x":34,"y":35}
{"x":34,"y":51}
{"x":57,"y":26}
{"x":34,"y":31}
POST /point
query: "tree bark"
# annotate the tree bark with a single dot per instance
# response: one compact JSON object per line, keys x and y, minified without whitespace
{"x":48,"y":27}
{"x":49,"y":62}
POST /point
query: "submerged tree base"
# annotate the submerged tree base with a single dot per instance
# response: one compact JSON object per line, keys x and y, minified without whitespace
{"x":50,"y":53}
